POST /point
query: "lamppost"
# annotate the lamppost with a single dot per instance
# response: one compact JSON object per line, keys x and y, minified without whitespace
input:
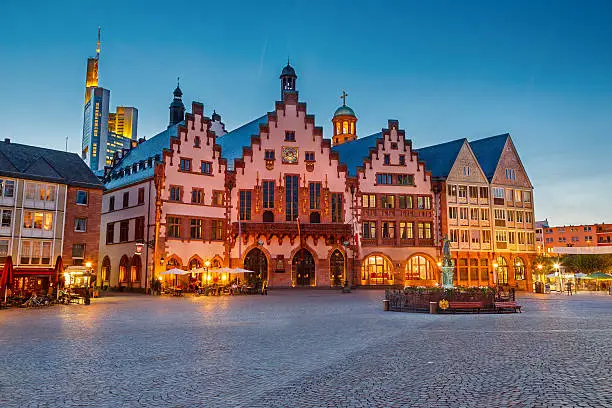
{"x":347,"y":279}
{"x":149,"y":244}
{"x":495,"y":272}
{"x":260,"y":244}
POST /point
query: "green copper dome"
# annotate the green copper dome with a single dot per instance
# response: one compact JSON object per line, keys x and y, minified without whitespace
{"x":344,"y":110}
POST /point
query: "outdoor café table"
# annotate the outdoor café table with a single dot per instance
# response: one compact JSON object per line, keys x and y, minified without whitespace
{"x":177,"y":292}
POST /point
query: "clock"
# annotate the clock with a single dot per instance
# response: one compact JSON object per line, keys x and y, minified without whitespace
{"x":290,"y":155}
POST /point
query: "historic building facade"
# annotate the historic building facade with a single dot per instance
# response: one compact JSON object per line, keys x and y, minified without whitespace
{"x":275,"y":197}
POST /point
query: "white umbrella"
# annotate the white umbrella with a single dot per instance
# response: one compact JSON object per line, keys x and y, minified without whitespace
{"x":241,"y":270}
{"x":581,"y":275}
{"x":175,"y":271}
{"x":222,"y":270}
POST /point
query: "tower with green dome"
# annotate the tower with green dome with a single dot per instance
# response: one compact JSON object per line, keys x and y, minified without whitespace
{"x":345,"y":123}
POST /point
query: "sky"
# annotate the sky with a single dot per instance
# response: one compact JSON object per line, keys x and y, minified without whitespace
{"x":540,"y":70}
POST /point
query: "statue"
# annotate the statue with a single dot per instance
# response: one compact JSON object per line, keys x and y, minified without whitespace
{"x":447,"y":264}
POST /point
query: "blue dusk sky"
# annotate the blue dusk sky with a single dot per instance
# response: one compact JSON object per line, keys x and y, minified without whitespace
{"x":445,"y":69}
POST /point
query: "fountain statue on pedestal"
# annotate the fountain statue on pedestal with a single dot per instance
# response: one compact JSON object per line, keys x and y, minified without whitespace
{"x":447,"y":264}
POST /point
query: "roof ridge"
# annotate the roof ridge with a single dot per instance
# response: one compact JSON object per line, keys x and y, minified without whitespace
{"x":444,"y":143}
{"x":244,"y":125}
{"x":35,"y":160}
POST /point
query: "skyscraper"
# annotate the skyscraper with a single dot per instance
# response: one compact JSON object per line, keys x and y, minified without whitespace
{"x":104,"y":132}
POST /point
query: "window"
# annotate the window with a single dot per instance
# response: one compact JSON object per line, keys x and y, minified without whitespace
{"x":474,"y":269}
{"x":405,"y":202}
{"x":185,"y":165}
{"x":376,"y":270}
{"x":268,"y":194}
{"x":126,"y":199}
{"x":509,"y":194}
{"x":486,"y":236}
{"x":78,"y":251}
{"x":521,"y":237}
{"x":484,"y":214}
{"x":291,"y":198}
{"x":141,"y":192}
{"x":531,"y":238}
{"x":206,"y":167}
{"x":518,"y":196}
{"x":4,"y":245}
{"x":452,"y":213}
{"x":7,"y":188}
{"x":528,"y":217}
{"x":35,"y":252}
{"x":484,"y":192}
{"x":498,"y":192}
{"x":424,"y":203}
{"x":6,"y":218}
{"x":527,"y":196}
{"x":475,"y":237}
{"x":174,"y":227}
{"x":309,"y":156}
{"x":111,"y":203}
{"x":269,"y":154}
{"x":38,"y":220}
{"x":500,"y":214}
{"x":195,"y":231}
{"x":484,"y":270}
{"x":139,"y":228}
{"x":124,"y":230}
{"x":510,"y":174}
{"x":245,"y":205}
{"x":197,"y":196}
{"x":217,"y":230}
{"x":289,"y":136}
{"x":501,"y":236}
{"x":452,"y":190}
{"x":463,"y":213}
{"x":217,"y":198}
{"x":474,"y":214}
{"x":336,"y":210}
{"x":454,"y":235}
{"x":424,"y":230}
{"x":110,"y":232}
{"x":462,"y":266}
{"x":368,"y":201}
{"x":81,"y":197}
{"x":393,"y":146}
{"x":464,"y":236}
{"x":384,"y":178}
{"x":511,"y":237}
{"x":466,"y":170}
{"x":387,"y":201}
{"x":369,"y":229}
{"x":315,"y":196}
{"x":175,"y":193}
{"x":388,"y":229}
{"x":519,"y":216}
{"x":402,"y":160}
{"x":80,"y":224}
{"x":405,"y":179}
{"x":420,"y":268}
{"x":473,"y":190}
{"x":406,"y":230}
{"x":196,"y":141}
{"x":510,"y":215}
{"x":387,"y":159}
{"x":462,"y":191}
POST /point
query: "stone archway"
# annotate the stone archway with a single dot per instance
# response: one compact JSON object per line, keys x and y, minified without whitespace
{"x":303,"y":268}
{"x":106,"y":270}
{"x":136,"y":269}
{"x":124,"y":267}
{"x":336,"y":268}
{"x":256,"y":261}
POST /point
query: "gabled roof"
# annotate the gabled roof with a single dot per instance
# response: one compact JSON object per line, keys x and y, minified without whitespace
{"x":488,"y":151}
{"x":144,"y":151}
{"x":353,"y":153}
{"x":232,"y":143}
{"x":37,"y":163}
{"x":440,"y":158}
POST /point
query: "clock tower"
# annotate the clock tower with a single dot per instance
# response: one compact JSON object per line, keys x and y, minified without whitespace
{"x":345,"y":123}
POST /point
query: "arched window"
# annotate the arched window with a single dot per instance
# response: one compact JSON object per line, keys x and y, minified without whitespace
{"x":376,"y":270}
{"x":106,"y":269}
{"x":268,"y":216}
{"x":345,"y":127}
{"x":502,"y":271}
{"x":124,"y":264}
{"x":194,"y":263}
{"x":315,"y":218}
{"x":136,"y":268}
{"x":216,"y":263}
{"x":519,"y":269}
{"x":173,"y":263}
{"x":352,"y":128}
{"x":419,"y":267}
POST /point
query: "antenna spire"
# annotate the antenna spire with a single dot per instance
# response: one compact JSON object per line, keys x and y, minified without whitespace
{"x":98,"y":45}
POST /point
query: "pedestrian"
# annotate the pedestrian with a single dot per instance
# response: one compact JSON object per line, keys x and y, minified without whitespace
{"x":569,"y":288}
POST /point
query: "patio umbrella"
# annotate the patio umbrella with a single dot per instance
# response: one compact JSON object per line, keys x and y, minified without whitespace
{"x":7,"y":275}
{"x":581,"y":275}
{"x":175,"y":271}
{"x":600,"y":276}
{"x":241,"y":270}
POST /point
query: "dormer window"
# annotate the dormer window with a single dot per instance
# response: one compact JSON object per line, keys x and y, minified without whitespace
{"x":289,"y":136}
{"x":196,"y":141}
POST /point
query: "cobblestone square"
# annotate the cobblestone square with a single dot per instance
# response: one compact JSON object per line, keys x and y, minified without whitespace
{"x":305,"y":349}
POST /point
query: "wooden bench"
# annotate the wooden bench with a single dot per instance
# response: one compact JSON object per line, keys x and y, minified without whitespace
{"x":501,"y":306}
{"x":454,"y":306}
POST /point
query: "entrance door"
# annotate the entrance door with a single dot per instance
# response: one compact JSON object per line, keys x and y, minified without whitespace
{"x":303,"y":268}
{"x":256,"y":261}
{"x":336,"y":268}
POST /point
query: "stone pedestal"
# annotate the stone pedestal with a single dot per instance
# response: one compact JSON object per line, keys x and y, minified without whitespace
{"x":447,"y":277}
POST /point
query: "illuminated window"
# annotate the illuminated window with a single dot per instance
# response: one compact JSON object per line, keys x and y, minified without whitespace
{"x":376,"y":271}
{"x":419,"y":267}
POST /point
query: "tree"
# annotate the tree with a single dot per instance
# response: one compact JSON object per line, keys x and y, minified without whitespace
{"x":587,"y":263}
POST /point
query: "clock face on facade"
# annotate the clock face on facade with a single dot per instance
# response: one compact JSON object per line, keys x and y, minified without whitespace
{"x":290,"y":155}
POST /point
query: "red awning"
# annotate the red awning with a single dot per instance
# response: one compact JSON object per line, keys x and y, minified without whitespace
{"x":33,"y":272}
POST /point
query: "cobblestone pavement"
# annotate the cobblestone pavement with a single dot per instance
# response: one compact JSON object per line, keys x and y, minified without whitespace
{"x":305,"y":349}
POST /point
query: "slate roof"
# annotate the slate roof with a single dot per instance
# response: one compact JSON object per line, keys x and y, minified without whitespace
{"x":488,"y":152}
{"x":232,"y":142}
{"x":439,"y":159}
{"x":54,"y":166}
{"x":141,"y":153}
{"x":353,"y":153}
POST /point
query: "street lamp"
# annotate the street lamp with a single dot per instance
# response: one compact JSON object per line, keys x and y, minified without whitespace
{"x":495,"y":266}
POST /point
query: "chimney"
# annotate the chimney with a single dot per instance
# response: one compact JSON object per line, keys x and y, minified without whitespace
{"x":7,"y":140}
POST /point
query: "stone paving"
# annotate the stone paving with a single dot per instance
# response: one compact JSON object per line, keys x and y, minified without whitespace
{"x":305,"y":349}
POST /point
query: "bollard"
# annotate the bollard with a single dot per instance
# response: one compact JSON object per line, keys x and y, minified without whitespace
{"x":385,"y":305}
{"x":433,"y":307}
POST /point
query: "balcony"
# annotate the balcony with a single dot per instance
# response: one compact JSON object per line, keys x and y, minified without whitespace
{"x":396,"y":213}
{"x":291,"y":229}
